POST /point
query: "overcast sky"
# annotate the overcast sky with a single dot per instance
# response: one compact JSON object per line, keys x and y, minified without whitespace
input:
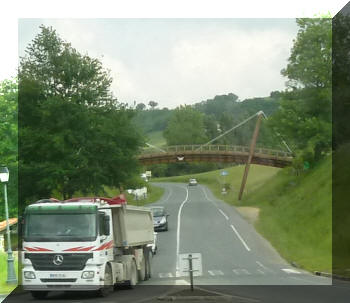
{"x":180,"y":61}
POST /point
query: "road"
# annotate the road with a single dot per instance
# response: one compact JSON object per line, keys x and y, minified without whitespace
{"x":236,"y":260}
{"x":232,"y":252}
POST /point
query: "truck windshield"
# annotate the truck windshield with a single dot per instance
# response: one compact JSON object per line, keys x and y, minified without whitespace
{"x":51,"y":227}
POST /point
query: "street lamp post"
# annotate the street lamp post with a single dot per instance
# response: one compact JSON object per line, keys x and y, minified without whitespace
{"x":11,"y":275}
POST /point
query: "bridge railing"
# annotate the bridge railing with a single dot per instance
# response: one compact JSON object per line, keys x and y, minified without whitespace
{"x":216,"y":148}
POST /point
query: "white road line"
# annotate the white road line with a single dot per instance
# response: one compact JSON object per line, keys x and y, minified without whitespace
{"x":178,"y":232}
{"x":170,"y":192}
{"x":290,"y":271}
{"x":205,"y":193}
{"x":166,"y":275}
{"x":215,"y":272}
{"x":236,"y":271}
{"x":246,"y":271}
{"x":226,"y":217}
{"x":308,"y":281}
{"x":239,"y":237}
{"x":260,"y":271}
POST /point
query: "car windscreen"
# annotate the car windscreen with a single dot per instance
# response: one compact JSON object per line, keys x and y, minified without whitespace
{"x":158,"y":212}
{"x":62,"y":227}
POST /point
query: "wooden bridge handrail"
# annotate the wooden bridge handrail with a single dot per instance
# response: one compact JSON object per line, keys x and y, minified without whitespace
{"x":219,"y":148}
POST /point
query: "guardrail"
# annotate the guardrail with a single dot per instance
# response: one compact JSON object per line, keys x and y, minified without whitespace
{"x":217,"y":148}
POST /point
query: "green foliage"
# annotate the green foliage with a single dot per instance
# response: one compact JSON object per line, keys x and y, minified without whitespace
{"x":296,"y":215}
{"x":304,"y":117}
{"x":186,"y":126}
{"x":9,"y":143}
{"x":74,"y":135}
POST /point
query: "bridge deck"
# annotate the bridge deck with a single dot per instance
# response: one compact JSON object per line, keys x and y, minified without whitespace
{"x":215,"y":153}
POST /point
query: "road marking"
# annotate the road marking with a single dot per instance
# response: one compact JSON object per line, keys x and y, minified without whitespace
{"x":178,"y":233}
{"x":239,"y":237}
{"x":310,"y":282}
{"x":260,"y":271}
{"x":166,"y":275}
{"x":215,"y":272}
{"x":246,"y":271}
{"x":226,"y":217}
{"x":290,"y":271}
{"x":181,"y":282}
{"x":170,"y":192}
{"x":236,"y":271}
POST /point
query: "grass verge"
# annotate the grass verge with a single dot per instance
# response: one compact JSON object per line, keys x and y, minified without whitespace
{"x":4,"y":287}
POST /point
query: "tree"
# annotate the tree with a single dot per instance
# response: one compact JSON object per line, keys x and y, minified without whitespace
{"x":140,"y":106}
{"x":304,"y":117}
{"x":74,"y":135}
{"x":9,"y":142}
{"x":186,"y":126}
{"x":152,"y":104}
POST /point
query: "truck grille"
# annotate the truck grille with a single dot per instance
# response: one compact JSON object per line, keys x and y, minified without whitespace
{"x":58,"y":280}
{"x":70,"y":261}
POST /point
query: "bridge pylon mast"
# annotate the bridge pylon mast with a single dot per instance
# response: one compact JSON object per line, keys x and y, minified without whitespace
{"x":251,"y":153}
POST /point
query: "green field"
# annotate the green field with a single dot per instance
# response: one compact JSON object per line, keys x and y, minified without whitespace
{"x":156,"y":138}
{"x":4,"y":288}
{"x":295,"y":211}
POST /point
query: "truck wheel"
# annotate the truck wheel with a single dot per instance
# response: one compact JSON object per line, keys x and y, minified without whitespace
{"x":142,"y":271}
{"x":108,"y":283}
{"x":133,"y":275}
{"x":148,"y":264}
{"x":40,"y":295}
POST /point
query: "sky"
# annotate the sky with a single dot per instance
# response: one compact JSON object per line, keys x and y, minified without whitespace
{"x":175,"y":56}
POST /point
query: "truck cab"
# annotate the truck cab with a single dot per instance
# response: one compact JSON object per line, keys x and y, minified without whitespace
{"x":84,"y":244}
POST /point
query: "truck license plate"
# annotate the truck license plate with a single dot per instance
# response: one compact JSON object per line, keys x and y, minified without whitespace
{"x":57,"y":275}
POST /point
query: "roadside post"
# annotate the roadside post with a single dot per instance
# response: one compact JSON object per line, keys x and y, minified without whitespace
{"x":11,"y":274}
{"x":191,"y":265}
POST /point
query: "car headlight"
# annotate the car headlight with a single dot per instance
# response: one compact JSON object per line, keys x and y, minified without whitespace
{"x":87,"y":274}
{"x":163,"y":220}
{"x":29,"y":275}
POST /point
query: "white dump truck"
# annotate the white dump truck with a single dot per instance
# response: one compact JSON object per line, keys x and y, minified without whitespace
{"x":85,"y":244}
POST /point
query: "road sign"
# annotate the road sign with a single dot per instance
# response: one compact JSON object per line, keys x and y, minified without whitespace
{"x":196,"y":264}
{"x":224,"y":173}
{"x":148,"y":173}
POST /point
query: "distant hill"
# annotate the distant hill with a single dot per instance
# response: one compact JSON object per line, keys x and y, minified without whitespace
{"x":221,"y":113}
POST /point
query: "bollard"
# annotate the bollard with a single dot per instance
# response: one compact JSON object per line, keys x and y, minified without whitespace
{"x":191,"y":270}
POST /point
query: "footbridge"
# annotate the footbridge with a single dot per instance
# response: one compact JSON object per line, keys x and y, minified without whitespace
{"x":215,"y":153}
{"x":222,"y":153}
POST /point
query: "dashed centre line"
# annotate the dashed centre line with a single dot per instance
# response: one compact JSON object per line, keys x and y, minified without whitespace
{"x":240,"y":238}
{"x":226,"y":217}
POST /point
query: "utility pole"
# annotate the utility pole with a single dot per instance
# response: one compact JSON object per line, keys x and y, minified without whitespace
{"x":251,"y":153}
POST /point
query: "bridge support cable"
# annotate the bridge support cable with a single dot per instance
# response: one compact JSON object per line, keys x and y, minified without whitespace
{"x":231,"y":129}
{"x":155,"y":147}
{"x":251,"y":153}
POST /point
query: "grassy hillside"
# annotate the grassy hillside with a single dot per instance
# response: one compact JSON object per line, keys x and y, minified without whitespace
{"x":296,"y":215}
{"x":295,"y":211}
{"x":156,"y":138}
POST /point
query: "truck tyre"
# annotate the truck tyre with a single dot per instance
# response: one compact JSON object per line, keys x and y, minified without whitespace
{"x":142,"y":272}
{"x":40,"y":295}
{"x":108,"y":281}
{"x":133,"y":275}
{"x":148,"y":257}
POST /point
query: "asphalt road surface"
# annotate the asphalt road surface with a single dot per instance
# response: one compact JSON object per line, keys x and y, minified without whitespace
{"x":235,"y":259}
{"x":232,"y":252}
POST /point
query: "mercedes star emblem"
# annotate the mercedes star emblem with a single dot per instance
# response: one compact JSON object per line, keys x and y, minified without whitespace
{"x":58,"y":259}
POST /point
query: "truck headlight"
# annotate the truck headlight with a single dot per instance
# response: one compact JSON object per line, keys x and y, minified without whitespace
{"x":29,"y":275}
{"x":87,"y":274}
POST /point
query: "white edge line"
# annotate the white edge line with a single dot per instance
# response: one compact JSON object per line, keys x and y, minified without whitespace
{"x":239,"y":237}
{"x":178,"y":232}
{"x":226,"y":217}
